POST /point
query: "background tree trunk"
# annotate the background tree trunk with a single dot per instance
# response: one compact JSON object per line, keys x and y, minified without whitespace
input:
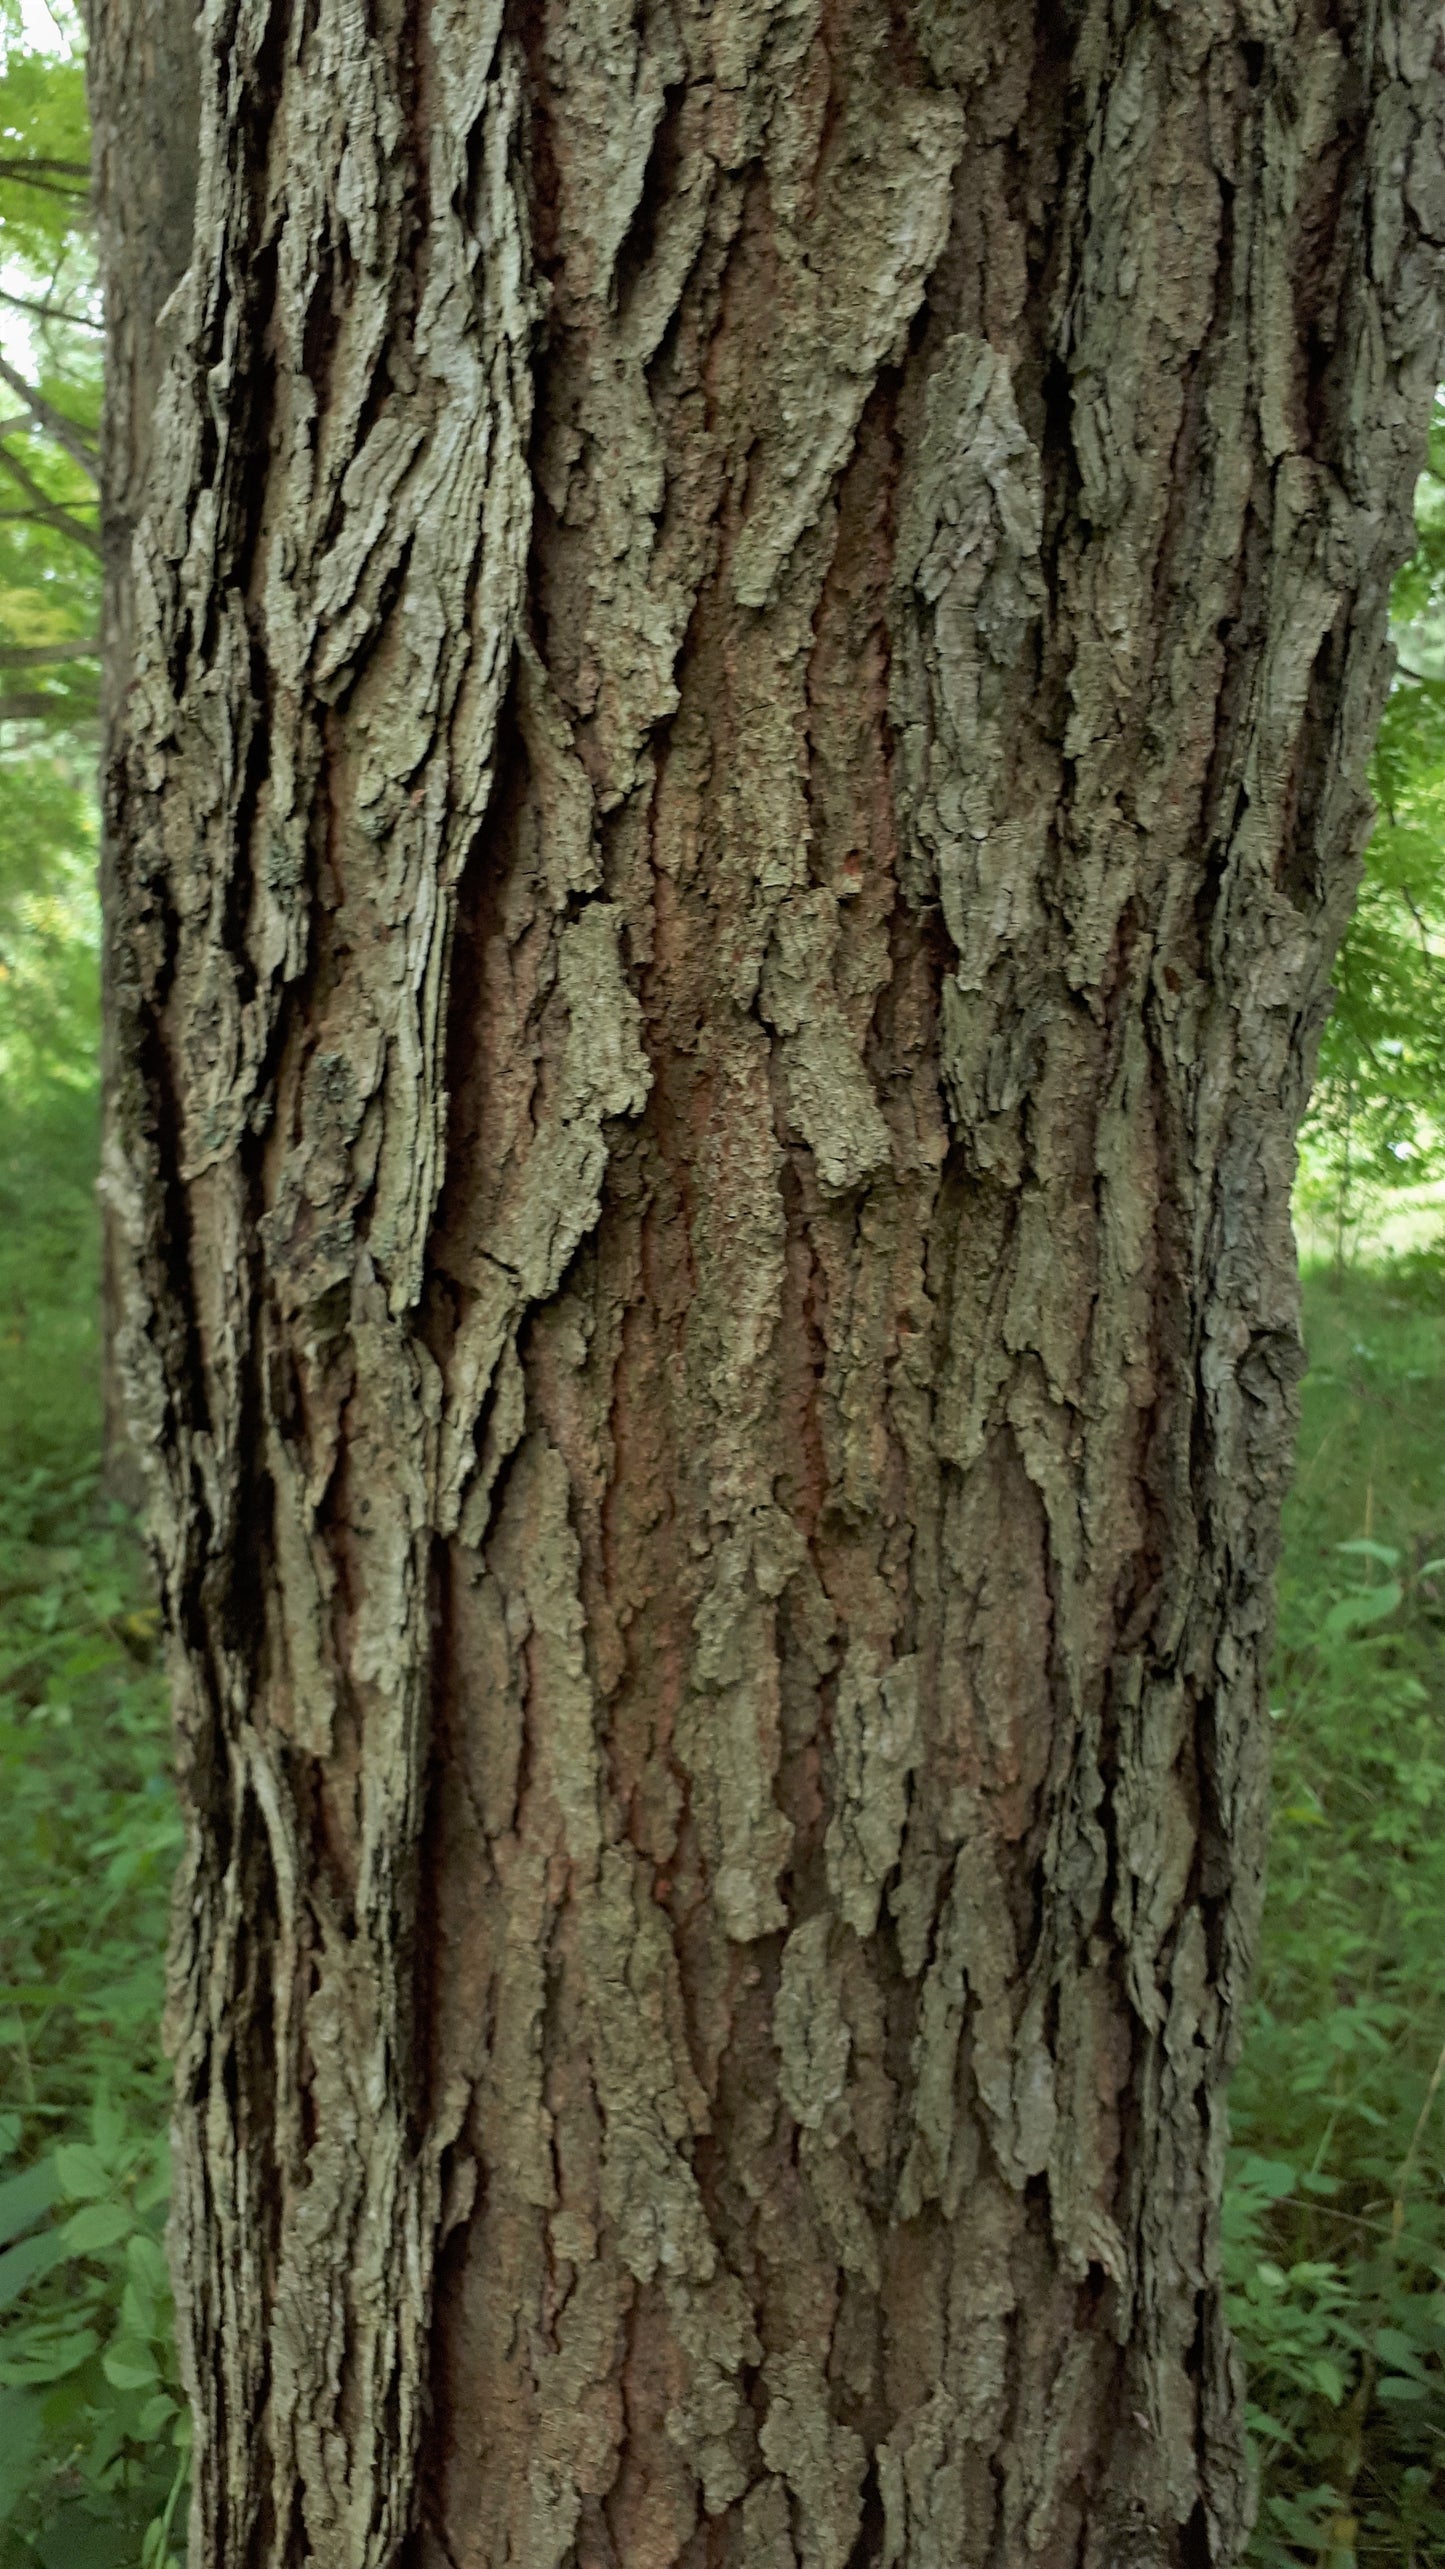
{"x":143,"y":85}
{"x":757,"y":632}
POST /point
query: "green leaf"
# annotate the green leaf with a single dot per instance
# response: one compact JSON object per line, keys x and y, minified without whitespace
{"x":97,"y":2225}
{"x":79,"y":2539}
{"x":84,"y":2175}
{"x":1353,"y":1614}
{"x":155,"y":2188}
{"x":107,"y":2127}
{"x":24,"y":2199}
{"x":22,"y":2425}
{"x":128,"y":2365}
{"x":1384,"y":1552}
{"x":138,"y":2314}
{"x":1274,"y":2178}
{"x":20,"y":2266}
{"x":48,"y":2359}
{"x":146,"y":2260}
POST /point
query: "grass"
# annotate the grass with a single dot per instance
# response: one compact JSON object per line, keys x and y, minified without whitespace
{"x":1335,"y":2224}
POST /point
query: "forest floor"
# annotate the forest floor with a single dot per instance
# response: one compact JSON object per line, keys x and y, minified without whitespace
{"x":1335,"y":2223}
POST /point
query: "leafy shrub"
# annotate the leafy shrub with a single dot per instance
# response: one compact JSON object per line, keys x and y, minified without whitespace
{"x":93,"y":2435}
{"x":1376,"y":1122}
{"x":1335,"y":2219}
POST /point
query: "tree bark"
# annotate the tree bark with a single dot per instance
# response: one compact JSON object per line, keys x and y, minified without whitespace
{"x":143,"y":85}
{"x":756,"y":632}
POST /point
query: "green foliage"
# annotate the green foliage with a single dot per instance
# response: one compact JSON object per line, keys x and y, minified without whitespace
{"x":1377,"y":1118}
{"x":1335,"y":2220}
{"x":49,"y":1282}
{"x":44,"y":146}
{"x":49,"y":577}
{"x":93,"y":2433}
{"x":50,"y":392}
{"x":93,"y":2430}
{"x":50,"y":386}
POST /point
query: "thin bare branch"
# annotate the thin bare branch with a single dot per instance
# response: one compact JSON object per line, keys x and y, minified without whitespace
{"x":65,"y":432}
{"x":25,"y":167}
{"x":68,"y":181}
{"x":54,"y":513}
{"x":32,"y":707}
{"x":49,"y":311}
{"x":36,"y":655}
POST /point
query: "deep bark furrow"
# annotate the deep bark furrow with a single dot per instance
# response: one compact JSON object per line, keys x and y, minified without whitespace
{"x":730,"y":857}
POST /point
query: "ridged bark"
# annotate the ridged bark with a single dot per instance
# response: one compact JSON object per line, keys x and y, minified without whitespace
{"x":759,"y":627}
{"x":145,"y":138}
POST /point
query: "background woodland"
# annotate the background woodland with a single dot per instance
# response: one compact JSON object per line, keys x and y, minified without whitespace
{"x":1336,"y":2213}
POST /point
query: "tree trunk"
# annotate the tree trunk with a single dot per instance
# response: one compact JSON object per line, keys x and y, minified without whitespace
{"x":143,"y":81}
{"x":758,"y":626}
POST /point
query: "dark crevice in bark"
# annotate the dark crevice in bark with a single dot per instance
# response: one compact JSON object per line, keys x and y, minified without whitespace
{"x":867,"y":2551}
{"x":478,"y":929}
{"x":1312,"y":775}
{"x":638,"y":247}
{"x":1224,"y":796}
{"x":420,"y":106}
{"x":325,"y":307}
{"x":1330,"y":216}
{"x":1197,"y":2551}
{"x":526,"y":25}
